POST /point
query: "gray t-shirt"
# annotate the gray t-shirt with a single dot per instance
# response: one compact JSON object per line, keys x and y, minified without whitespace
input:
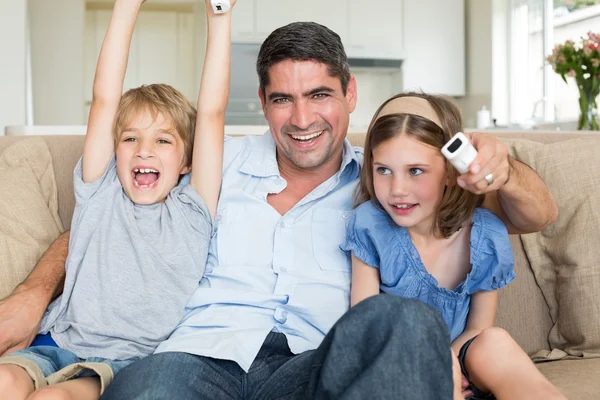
{"x":131,"y":268}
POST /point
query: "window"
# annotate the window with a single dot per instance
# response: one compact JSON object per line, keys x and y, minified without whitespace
{"x":537,"y":93}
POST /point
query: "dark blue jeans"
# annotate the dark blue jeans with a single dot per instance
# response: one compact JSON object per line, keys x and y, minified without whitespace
{"x":385,"y":347}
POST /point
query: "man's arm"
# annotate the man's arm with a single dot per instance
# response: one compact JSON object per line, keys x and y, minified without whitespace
{"x":22,"y":311}
{"x":517,"y":195}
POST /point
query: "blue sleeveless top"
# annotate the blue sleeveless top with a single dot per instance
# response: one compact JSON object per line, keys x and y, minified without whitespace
{"x":375,"y":239}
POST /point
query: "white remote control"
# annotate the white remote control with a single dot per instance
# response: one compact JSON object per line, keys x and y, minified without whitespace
{"x":220,"y":6}
{"x":460,"y":152}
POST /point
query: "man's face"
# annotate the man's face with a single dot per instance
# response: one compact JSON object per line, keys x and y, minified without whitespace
{"x":307,"y":112}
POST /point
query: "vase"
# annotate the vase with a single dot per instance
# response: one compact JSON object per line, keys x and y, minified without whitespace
{"x":588,"y":110}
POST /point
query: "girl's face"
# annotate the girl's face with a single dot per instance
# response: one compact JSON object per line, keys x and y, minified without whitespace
{"x":409,"y":178}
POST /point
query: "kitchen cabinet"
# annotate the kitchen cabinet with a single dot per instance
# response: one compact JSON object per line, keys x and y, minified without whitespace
{"x":374,"y":26}
{"x":271,"y":14}
{"x":243,"y":22}
{"x":363,"y":27}
{"x":434,"y":46}
{"x":160,"y":51}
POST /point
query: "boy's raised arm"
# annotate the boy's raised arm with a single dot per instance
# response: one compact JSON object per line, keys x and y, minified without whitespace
{"x":108,"y":88}
{"x":207,"y":160}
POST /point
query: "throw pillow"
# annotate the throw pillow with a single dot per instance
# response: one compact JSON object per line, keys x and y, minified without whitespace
{"x":565,"y":257}
{"x":29,"y":220}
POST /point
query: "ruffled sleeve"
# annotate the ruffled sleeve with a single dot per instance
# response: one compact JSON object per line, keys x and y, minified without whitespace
{"x":492,"y":257}
{"x":359,"y":238}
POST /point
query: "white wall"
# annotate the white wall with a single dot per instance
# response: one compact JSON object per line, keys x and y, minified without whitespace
{"x":373,"y":89}
{"x":57,"y":32}
{"x":479,"y":59}
{"x":12,"y":63}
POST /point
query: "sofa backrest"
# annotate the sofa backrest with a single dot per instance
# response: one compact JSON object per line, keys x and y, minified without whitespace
{"x":522,"y":310}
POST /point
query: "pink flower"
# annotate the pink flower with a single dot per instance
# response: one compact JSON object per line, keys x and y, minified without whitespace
{"x":571,"y":73}
{"x":596,"y":62}
{"x":570,"y":43}
{"x":561,"y":59}
{"x":587,"y":50}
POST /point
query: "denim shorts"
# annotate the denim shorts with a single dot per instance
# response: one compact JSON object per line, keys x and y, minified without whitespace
{"x":50,"y":365}
{"x":477,"y":394}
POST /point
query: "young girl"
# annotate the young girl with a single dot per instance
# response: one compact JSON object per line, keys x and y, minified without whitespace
{"x":417,"y":234}
{"x":141,"y":229}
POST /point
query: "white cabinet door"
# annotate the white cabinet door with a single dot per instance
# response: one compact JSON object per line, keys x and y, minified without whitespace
{"x":434,"y":46}
{"x":162,"y":51}
{"x":375,"y":25}
{"x":271,"y":14}
{"x":243,"y":22}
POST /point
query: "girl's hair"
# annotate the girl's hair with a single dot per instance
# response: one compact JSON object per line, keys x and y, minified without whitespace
{"x":457,"y":205}
{"x":158,"y":98}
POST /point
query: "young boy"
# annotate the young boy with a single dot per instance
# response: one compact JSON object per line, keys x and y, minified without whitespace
{"x":140,"y":230}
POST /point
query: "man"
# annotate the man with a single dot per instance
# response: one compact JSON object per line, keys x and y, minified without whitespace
{"x":261,"y":323}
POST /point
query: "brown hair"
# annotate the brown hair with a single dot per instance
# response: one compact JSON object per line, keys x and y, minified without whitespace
{"x":163,"y":99}
{"x":457,"y":205}
{"x":303,"y":41}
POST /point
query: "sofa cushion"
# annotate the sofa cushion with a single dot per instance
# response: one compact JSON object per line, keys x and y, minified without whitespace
{"x":565,"y":257}
{"x":28,"y":209}
{"x":576,"y":379}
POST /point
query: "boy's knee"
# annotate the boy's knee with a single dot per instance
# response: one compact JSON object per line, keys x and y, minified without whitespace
{"x":50,"y":393}
{"x":14,"y":379}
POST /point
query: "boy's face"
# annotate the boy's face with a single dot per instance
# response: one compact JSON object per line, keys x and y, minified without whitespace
{"x":150,"y":156}
{"x":409,"y":178}
{"x":307,"y":112}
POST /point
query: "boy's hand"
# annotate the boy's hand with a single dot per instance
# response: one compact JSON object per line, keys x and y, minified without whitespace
{"x":209,"y":9}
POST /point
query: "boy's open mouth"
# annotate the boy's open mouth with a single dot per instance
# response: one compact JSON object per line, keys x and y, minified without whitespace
{"x":145,"y":177}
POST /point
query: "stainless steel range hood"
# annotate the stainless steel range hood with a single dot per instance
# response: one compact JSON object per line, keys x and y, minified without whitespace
{"x":375,"y":57}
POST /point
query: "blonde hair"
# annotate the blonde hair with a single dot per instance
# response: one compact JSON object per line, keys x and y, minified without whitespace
{"x":163,"y":99}
{"x":457,"y":205}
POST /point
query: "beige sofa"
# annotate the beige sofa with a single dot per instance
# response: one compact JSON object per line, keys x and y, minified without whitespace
{"x":534,"y":308}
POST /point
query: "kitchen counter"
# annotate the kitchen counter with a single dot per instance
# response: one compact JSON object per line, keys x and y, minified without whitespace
{"x":236,"y":130}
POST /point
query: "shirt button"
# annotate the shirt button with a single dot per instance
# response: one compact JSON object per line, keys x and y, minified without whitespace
{"x":346,"y":215}
{"x":282,"y":224}
{"x":217,"y":217}
{"x":283,"y":269}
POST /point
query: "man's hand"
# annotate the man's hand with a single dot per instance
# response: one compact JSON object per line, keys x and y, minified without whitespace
{"x":492,"y":158}
{"x":19,"y":321}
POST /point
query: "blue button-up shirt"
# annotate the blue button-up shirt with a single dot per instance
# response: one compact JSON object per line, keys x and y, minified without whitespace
{"x":266,"y":271}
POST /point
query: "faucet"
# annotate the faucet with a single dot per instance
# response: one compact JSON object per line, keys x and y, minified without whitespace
{"x":534,"y":120}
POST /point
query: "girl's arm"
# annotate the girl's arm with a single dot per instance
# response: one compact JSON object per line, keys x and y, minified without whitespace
{"x":365,"y":281}
{"x":108,"y":88}
{"x":481,"y":316}
{"x":207,"y":159}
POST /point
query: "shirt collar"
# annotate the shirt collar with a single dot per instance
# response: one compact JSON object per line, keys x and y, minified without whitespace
{"x":262,"y":160}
